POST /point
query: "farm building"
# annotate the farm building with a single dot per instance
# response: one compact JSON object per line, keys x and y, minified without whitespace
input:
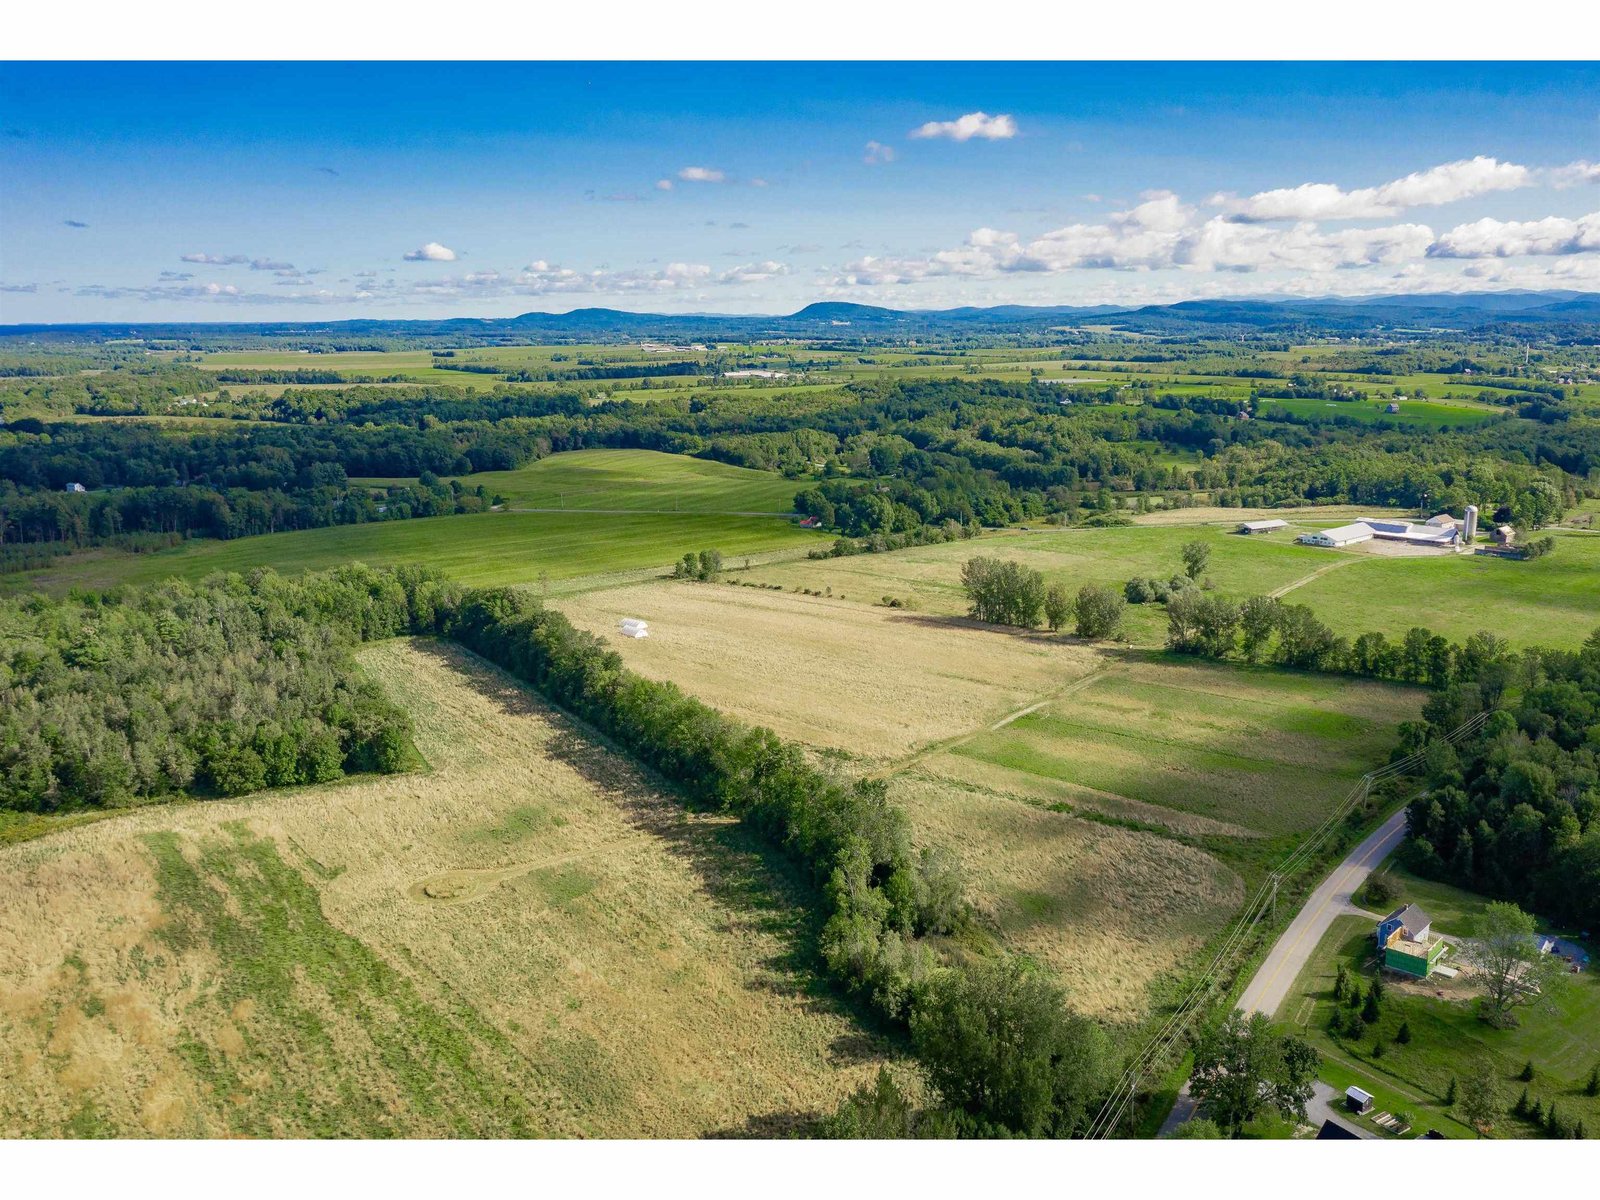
{"x":633,"y":627}
{"x":74,"y":487}
{"x":1404,"y":531}
{"x":1406,"y":939}
{"x":1443,"y":521}
{"x":1393,"y":407}
{"x":1357,"y":1099}
{"x":1248,"y":527}
{"x":1342,"y":535}
{"x":1504,"y":535}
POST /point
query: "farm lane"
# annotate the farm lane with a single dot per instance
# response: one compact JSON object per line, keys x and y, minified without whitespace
{"x":939,"y":747}
{"x":1280,"y":593}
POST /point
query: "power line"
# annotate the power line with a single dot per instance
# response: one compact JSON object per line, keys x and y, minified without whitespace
{"x":1125,"y":1091}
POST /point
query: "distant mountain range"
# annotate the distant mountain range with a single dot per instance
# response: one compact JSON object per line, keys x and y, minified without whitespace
{"x":1547,"y":311}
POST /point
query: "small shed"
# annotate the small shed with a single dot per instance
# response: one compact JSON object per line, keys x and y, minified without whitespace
{"x":1358,"y":1100}
{"x":1394,"y":407}
{"x":633,"y":627}
{"x":1504,"y":535}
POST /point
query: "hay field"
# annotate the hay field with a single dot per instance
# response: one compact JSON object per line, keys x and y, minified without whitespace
{"x":1111,"y":909}
{"x":528,"y":940}
{"x":1256,"y":750}
{"x":871,"y":682}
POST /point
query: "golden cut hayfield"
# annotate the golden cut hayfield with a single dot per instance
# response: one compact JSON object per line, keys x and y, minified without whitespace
{"x":838,"y":675}
{"x":528,"y":940}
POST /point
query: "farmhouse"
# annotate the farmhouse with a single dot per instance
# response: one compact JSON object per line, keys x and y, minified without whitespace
{"x":74,"y":487}
{"x":1342,"y":535}
{"x":1405,"y":938}
{"x":1249,"y":527}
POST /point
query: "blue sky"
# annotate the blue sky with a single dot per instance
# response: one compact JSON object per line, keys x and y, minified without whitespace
{"x":251,"y":191}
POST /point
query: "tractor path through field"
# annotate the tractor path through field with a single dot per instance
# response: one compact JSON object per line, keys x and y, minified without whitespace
{"x":1305,"y":579}
{"x":473,"y":883}
{"x":939,"y":747}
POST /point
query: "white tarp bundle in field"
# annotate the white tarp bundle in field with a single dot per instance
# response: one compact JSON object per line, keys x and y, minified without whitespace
{"x":633,"y":627}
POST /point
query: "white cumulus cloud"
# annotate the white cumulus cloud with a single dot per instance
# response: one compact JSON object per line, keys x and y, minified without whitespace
{"x":431,"y":252}
{"x":701,"y":175}
{"x":1490,"y":238}
{"x":1328,"y":201}
{"x":876,"y":153}
{"x":965,"y":128}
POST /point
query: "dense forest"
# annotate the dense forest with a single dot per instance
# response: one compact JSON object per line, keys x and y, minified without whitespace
{"x":1515,"y":811}
{"x":218,"y":688}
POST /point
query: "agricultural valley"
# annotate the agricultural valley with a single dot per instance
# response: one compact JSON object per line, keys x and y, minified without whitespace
{"x":380,"y":754}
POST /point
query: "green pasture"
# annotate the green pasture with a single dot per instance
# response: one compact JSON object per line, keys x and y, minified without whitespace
{"x":484,"y":548}
{"x":639,"y":480}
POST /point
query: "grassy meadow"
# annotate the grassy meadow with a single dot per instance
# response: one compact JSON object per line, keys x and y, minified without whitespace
{"x":526,"y":940}
{"x":635,"y":480}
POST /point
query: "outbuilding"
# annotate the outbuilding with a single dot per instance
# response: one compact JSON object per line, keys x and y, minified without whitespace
{"x":1340,"y":535}
{"x":1358,"y":1100}
{"x":1248,"y":527}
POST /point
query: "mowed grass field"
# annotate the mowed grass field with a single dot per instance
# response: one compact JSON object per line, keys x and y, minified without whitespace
{"x":1551,"y":601}
{"x":480,"y":549}
{"x":872,"y":683}
{"x":635,"y":480}
{"x":527,"y":940}
{"x":1248,"y":751}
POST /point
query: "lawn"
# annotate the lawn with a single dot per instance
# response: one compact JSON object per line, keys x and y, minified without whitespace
{"x":1447,"y":1037}
{"x":527,"y":940}
{"x":486,"y":548}
{"x":636,"y":480}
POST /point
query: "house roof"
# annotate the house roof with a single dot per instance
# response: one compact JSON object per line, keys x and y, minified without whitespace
{"x":1333,"y":1131}
{"x":1360,"y":1095}
{"x":1412,"y":917}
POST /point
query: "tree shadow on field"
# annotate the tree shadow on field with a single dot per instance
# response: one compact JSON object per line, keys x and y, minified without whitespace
{"x":936,"y":621}
{"x":772,"y":1126}
{"x":765,"y":894}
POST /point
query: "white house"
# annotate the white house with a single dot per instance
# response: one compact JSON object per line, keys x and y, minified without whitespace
{"x":1248,"y":527}
{"x":1341,"y":535}
{"x":633,"y":627}
{"x":74,"y":487}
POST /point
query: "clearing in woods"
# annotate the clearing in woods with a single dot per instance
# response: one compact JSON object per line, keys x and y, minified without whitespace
{"x":528,"y":940}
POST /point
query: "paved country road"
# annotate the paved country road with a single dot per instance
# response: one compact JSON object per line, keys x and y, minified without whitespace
{"x":1276,"y":975}
{"x":1332,"y":899}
